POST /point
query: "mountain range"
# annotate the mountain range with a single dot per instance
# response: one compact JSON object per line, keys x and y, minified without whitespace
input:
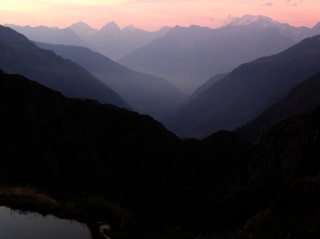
{"x":246,"y":91}
{"x":116,"y":43}
{"x":188,"y":56}
{"x":145,"y":93}
{"x":21,"y":56}
{"x":185,"y":56}
{"x":110,"y":40}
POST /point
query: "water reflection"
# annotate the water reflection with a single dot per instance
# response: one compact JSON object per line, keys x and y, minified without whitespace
{"x":17,"y":225}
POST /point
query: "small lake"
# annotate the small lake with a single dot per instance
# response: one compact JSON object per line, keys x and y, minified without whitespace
{"x":17,"y":225}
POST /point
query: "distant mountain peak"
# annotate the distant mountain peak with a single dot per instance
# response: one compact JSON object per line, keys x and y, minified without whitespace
{"x":83,"y":30}
{"x":317,"y":26}
{"x":248,"y":19}
{"x":80,"y":25}
{"x":130,"y":28}
{"x":111,"y":27}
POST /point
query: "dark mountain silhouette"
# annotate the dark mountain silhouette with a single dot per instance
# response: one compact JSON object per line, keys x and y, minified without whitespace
{"x":21,"y":56}
{"x":59,"y":143}
{"x":52,"y":35}
{"x":77,"y":145}
{"x":278,"y":188}
{"x":302,"y":99}
{"x":222,"y":183}
{"x":146,"y":94}
{"x":187,"y":57}
{"x":247,"y":91}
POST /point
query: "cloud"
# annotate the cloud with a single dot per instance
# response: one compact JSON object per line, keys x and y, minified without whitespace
{"x":268,"y":4}
{"x":291,"y":3}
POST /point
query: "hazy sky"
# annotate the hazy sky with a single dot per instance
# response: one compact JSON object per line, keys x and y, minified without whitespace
{"x":152,"y":14}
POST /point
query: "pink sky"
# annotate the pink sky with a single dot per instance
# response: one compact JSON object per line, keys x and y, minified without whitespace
{"x":153,"y":14}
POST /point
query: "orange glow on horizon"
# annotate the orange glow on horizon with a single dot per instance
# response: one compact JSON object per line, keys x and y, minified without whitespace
{"x":153,"y":14}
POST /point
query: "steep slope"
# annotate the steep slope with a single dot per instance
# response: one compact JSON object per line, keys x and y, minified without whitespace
{"x":247,"y":91}
{"x":21,"y":56}
{"x":214,"y":79}
{"x":187,"y":57}
{"x":276,"y":192}
{"x":302,"y":99}
{"x":146,"y":94}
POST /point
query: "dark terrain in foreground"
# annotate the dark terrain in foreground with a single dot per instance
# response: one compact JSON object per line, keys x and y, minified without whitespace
{"x":129,"y":170}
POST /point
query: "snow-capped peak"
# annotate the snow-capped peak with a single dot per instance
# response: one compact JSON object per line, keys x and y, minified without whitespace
{"x":248,"y":19}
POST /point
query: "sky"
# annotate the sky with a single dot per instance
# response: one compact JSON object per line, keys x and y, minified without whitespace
{"x":151,"y":15}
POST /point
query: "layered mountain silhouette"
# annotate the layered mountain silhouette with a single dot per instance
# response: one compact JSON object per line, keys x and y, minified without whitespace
{"x":21,"y":56}
{"x":301,"y":99}
{"x":188,"y":56}
{"x":110,"y":40}
{"x":247,"y":91}
{"x":145,"y":93}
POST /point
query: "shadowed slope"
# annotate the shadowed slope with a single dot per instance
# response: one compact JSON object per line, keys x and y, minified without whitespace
{"x":145,"y":93}
{"x":247,"y":91}
{"x":302,"y":99}
{"x":21,"y":56}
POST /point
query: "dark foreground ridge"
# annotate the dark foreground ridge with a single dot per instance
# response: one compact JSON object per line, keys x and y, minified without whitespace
{"x":81,"y":149}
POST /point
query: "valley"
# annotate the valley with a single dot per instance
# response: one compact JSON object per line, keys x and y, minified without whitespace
{"x":185,"y":132}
